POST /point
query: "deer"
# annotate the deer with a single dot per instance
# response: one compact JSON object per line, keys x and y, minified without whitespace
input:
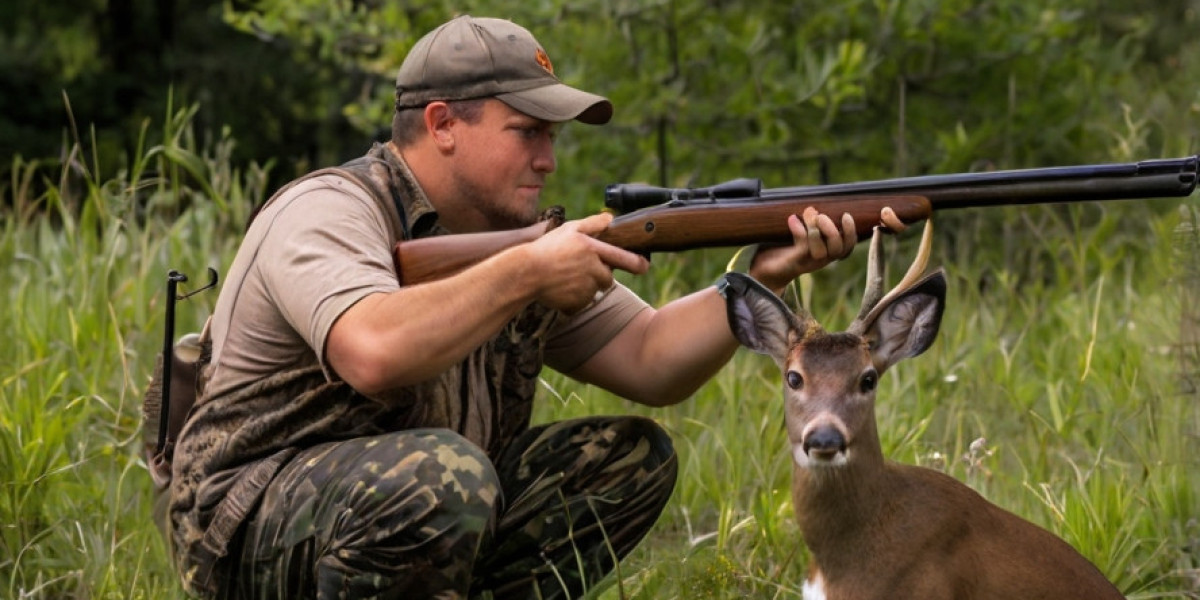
{"x":877,"y":528}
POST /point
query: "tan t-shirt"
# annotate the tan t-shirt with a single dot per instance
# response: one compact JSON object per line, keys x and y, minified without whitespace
{"x":316,"y":250}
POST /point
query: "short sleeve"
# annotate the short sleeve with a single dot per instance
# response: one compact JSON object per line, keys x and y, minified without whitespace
{"x":575,"y":339}
{"x":328,"y":249}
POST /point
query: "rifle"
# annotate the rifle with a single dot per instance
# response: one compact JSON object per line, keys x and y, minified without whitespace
{"x":739,"y":212}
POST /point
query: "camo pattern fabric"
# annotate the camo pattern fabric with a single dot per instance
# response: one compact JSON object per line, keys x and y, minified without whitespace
{"x":296,"y":486}
{"x":234,"y":443}
{"x":425,"y":514}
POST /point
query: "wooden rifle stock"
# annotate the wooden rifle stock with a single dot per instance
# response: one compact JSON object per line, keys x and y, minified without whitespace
{"x":440,"y":256}
{"x":658,"y":229}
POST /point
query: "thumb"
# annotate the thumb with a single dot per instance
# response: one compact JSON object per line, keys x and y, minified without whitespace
{"x":594,"y":224}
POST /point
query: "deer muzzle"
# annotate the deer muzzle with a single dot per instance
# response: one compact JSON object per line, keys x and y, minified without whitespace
{"x":823,"y":445}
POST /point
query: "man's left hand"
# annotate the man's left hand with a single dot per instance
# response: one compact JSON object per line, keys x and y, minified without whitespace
{"x":817,"y":241}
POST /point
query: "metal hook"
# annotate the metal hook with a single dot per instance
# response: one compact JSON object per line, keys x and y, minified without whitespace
{"x":174,"y":278}
{"x":180,"y":277}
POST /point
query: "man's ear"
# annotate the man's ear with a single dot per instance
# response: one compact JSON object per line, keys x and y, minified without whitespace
{"x":437,"y":123}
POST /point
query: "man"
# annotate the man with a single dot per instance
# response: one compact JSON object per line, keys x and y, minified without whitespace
{"x":355,"y":438}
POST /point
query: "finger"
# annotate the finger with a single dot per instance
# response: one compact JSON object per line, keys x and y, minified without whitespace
{"x":816,"y":245}
{"x":799,"y":231}
{"x":849,"y":234}
{"x":891,"y":221}
{"x":832,"y":236}
{"x":603,"y":278}
{"x":619,"y":258}
{"x":593,"y":224}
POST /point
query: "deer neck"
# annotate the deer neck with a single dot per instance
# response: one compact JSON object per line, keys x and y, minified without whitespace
{"x":836,"y":506}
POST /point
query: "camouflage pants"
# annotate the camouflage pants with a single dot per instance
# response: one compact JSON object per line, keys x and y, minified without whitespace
{"x":425,"y":514}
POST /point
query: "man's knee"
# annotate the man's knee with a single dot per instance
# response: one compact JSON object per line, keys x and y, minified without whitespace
{"x":438,"y":468}
{"x":659,"y":441}
{"x":640,"y":445}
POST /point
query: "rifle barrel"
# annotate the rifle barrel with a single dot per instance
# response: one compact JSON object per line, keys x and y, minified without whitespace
{"x":1157,"y":178}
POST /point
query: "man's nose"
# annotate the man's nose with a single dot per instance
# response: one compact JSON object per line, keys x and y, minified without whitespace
{"x":544,"y":161}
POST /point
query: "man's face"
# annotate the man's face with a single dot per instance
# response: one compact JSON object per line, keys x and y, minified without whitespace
{"x":501,"y":162}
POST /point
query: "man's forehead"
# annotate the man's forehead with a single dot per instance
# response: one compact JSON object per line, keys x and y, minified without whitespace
{"x":513,"y":115}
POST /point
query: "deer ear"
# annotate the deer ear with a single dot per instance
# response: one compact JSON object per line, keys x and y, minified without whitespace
{"x":907,"y":325}
{"x":759,"y":319}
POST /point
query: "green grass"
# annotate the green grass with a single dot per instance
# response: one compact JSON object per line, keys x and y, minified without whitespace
{"x":1064,"y":349}
{"x":1067,"y":368}
{"x":84,"y":271}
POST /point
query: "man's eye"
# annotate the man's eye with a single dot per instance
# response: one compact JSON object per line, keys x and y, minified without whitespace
{"x":534,"y":132}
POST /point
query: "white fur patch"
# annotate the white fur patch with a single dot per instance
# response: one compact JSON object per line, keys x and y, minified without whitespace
{"x":802,"y":459}
{"x":798,"y":455}
{"x":814,"y":588}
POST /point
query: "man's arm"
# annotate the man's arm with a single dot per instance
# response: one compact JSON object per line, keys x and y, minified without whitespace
{"x":390,"y":340}
{"x":662,"y":356}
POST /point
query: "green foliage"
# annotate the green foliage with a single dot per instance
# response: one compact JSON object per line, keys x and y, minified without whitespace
{"x":796,"y":93}
{"x":1057,"y":388}
{"x":120,"y":62}
{"x":710,"y":90}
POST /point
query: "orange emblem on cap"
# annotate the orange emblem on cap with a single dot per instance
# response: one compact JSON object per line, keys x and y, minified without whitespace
{"x":544,"y":61}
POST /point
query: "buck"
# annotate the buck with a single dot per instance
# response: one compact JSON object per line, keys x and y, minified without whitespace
{"x":878,"y":529}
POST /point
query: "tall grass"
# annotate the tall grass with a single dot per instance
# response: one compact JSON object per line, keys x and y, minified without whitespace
{"x":1062,"y":388}
{"x":85,"y":262}
{"x":1058,"y":388}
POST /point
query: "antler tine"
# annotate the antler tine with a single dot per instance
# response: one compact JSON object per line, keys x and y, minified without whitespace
{"x":874,"y":289}
{"x":875,"y":277}
{"x":917,"y":268}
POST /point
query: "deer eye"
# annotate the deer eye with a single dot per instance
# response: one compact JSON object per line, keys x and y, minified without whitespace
{"x":868,"y":382}
{"x":794,"y":380}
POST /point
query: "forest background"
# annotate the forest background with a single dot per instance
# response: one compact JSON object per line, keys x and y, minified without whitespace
{"x":136,"y":136}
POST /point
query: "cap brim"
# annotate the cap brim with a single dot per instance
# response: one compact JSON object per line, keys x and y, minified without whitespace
{"x":560,"y":102}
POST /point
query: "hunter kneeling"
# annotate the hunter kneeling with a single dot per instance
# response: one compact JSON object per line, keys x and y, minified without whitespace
{"x":356,"y":437}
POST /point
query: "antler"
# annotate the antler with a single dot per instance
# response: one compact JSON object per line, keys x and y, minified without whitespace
{"x":873,"y":295}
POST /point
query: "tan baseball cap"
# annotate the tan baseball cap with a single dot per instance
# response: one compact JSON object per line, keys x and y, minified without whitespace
{"x":471,"y":57}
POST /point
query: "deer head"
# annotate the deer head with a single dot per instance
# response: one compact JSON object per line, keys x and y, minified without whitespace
{"x":830,"y":378}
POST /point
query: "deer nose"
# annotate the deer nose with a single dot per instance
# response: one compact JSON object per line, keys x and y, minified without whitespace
{"x":824,"y":443}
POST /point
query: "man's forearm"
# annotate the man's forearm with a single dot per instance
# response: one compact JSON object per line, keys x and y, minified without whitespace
{"x":387,"y":341}
{"x":413,"y":334}
{"x":665,"y":355}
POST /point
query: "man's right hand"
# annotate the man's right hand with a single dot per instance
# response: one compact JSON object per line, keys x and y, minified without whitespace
{"x":390,"y":340}
{"x":570,"y":266}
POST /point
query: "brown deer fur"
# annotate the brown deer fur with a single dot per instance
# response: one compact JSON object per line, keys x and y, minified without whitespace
{"x":878,"y":529}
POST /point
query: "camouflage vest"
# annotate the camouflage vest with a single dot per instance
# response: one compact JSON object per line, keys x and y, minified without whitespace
{"x":232,"y":445}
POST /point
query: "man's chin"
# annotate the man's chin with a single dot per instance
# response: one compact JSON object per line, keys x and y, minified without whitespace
{"x":527,"y":217}
{"x":515,"y":221}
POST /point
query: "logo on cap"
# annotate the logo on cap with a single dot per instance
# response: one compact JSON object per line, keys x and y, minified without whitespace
{"x":544,"y":61}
